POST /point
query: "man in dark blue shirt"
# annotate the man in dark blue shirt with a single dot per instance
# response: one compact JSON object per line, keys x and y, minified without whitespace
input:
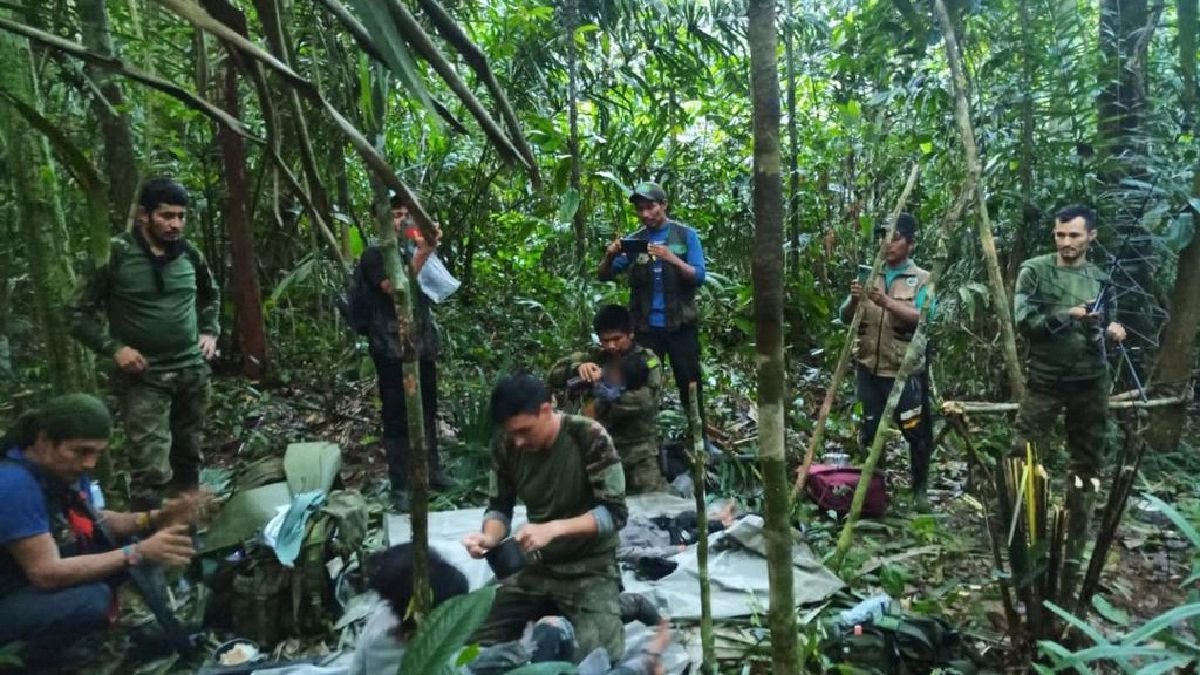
{"x":57,"y":572}
{"x":662,"y":286}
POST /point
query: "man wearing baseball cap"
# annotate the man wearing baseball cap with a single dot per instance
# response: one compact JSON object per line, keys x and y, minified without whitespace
{"x":888,"y":324}
{"x":662,"y":286}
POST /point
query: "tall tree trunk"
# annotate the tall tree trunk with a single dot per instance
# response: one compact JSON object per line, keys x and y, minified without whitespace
{"x":246,"y":293}
{"x":578,"y":219}
{"x":1029,"y":211}
{"x":1177,"y":359}
{"x":119,"y":159}
{"x":767,"y":272}
{"x":962,"y":114}
{"x":43,"y":225}
{"x":1120,"y":107}
{"x":405,"y":284}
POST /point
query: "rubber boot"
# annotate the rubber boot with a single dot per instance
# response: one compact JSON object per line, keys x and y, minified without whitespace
{"x":438,"y":480}
{"x":397,"y":458}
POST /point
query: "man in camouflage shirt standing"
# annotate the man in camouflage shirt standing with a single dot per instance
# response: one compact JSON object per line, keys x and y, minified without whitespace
{"x":1053,"y":308}
{"x":566,"y":471}
{"x":162,"y":307}
{"x":632,"y":418}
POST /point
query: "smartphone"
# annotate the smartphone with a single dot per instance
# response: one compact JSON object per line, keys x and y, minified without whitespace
{"x":632,"y":246}
{"x":864,"y":271}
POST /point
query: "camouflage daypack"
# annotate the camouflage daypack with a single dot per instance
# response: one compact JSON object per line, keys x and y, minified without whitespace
{"x":897,"y":644}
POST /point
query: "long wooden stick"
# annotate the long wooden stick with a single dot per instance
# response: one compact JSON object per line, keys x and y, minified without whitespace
{"x":962,"y":115}
{"x":1114,"y":403}
{"x":844,"y":359}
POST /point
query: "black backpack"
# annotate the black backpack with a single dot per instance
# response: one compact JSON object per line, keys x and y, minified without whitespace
{"x":354,"y":302}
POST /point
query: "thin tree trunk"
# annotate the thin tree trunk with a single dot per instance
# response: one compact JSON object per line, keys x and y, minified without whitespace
{"x":119,"y":159}
{"x":793,"y":211}
{"x":844,"y":359}
{"x":699,"y":475}
{"x":246,"y":293}
{"x":962,"y":114}
{"x":43,"y":225}
{"x":1029,"y":212}
{"x":579,"y":222}
{"x":1177,"y":358}
{"x":767,"y":273}
{"x":405,"y":284}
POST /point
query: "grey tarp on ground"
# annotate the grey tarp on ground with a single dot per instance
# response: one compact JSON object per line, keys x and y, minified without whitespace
{"x":738,"y":575}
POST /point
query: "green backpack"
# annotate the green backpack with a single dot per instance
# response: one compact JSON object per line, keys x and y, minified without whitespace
{"x":897,"y":644}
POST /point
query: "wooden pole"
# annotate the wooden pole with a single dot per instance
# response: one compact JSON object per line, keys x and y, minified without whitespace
{"x":699,"y":456}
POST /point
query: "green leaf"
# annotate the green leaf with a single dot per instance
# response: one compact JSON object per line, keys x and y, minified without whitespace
{"x":1180,"y":522}
{"x":568,"y":206}
{"x":1106,"y":610}
{"x":612,"y":178}
{"x":1163,"y":621}
{"x":378,"y":20}
{"x":445,"y":630}
{"x":1083,"y":626}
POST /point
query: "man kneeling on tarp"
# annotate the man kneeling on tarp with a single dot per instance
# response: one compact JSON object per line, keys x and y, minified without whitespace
{"x":57,"y":574}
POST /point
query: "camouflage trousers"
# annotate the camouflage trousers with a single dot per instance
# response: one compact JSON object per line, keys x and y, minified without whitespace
{"x":590,"y":601}
{"x":642,"y":470}
{"x":1085,"y":405}
{"x":164,"y":414}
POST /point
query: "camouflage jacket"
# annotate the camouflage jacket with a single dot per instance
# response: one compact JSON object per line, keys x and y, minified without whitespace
{"x":579,"y":473}
{"x":632,"y":418}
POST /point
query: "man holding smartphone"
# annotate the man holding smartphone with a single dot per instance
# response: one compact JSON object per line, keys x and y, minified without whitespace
{"x":888,"y":323}
{"x":663,"y":280}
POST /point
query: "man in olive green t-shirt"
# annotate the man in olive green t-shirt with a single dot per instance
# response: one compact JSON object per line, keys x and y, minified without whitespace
{"x":566,"y":471}
{"x":161,"y":305}
{"x":1053,"y":307}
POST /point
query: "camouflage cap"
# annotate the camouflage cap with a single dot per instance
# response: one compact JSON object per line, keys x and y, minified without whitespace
{"x":651,"y":192}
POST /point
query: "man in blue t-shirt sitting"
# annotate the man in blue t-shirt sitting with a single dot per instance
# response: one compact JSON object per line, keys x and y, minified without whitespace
{"x":662,"y":286}
{"x":57,"y":573}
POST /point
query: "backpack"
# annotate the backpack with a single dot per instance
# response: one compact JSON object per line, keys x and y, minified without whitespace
{"x":258,"y":598}
{"x":832,"y":488}
{"x":120,"y":249}
{"x":897,"y":644}
{"x":354,"y":302}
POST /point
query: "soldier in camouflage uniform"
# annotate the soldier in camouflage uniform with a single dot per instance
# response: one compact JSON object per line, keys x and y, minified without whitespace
{"x":631,"y":419}
{"x":566,"y":471}
{"x":162,"y":308}
{"x":1052,"y":307}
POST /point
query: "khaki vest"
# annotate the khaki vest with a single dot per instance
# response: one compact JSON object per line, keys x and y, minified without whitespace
{"x":880,"y":344}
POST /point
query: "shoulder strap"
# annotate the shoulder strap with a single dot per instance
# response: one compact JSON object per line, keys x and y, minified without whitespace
{"x":204,"y":278}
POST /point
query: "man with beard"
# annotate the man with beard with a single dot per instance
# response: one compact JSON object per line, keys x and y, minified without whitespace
{"x":162,"y":309}
{"x":1053,"y":308}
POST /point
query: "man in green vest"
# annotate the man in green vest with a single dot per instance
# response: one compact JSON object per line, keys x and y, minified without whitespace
{"x":889,"y":321}
{"x":162,"y":307}
{"x":1053,"y":307}
{"x":662,"y":287}
{"x":630,"y":414}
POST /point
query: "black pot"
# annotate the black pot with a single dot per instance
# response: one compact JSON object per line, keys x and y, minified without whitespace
{"x":506,"y":559}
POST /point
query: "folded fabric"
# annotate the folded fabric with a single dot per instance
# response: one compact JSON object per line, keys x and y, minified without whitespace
{"x":436,"y":281}
{"x":291,"y":531}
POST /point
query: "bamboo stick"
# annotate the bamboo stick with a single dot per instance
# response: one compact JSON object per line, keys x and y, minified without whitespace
{"x":1114,"y":403}
{"x":699,"y":457}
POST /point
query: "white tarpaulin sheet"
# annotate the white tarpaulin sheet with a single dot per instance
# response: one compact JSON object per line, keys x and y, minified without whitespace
{"x":737,"y":567}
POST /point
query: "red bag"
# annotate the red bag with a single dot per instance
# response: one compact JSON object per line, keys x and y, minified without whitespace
{"x":832,"y":488}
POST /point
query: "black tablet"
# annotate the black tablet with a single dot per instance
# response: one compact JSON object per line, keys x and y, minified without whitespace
{"x":634,"y":246}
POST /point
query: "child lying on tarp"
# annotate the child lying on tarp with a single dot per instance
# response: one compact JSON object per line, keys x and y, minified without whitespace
{"x":384,"y":639}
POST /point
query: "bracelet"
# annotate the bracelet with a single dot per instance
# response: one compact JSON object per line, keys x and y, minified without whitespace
{"x":132,"y":557}
{"x":143,"y":521}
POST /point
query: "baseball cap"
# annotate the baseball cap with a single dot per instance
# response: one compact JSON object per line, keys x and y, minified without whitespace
{"x":652,"y":192}
{"x":906,"y":226}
